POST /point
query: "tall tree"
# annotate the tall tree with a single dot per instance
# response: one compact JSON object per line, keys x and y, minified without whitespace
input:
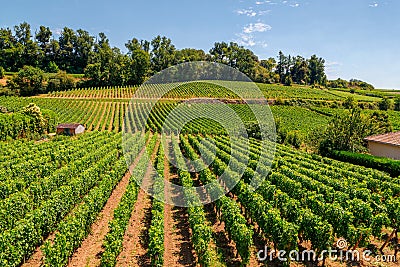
{"x":316,"y":67}
{"x":139,"y":63}
{"x":26,"y":50}
{"x":190,"y":54}
{"x":83,"y":46}
{"x":107,"y":66}
{"x":7,"y":43}
{"x":236,"y":57}
{"x":66,"y":55}
{"x":43,"y":39}
{"x":220,"y":53}
{"x":299,"y":70}
{"x":162,"y":53}
{"x":269,"y":64}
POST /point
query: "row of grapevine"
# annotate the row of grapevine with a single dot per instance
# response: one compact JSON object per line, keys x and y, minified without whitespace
{"x":76,"y":226}
{"x":156,"y":229}
{"x":19,"y":204}
{"x":235,"y":223}
{"x":201,"y":232}
{"x":20,"y":175}
{"x":95,"y":93}
{"x":342,"y":210}
{"x":53,"y":198}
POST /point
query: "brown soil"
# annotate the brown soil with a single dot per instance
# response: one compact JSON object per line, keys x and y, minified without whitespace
{"x":178,"y":247}
{"x":3,"y":82}
{"x":135,"y":243}
{"x":225,"y":248}
{"x":89,"y":252}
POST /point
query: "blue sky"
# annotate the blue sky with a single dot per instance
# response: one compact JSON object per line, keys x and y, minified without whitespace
{"x":358,"y":38}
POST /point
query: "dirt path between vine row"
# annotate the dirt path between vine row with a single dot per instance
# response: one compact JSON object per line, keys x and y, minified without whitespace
{"x":89,"y":253}
{"x":178,"y":247}
{"x":135,"y":243}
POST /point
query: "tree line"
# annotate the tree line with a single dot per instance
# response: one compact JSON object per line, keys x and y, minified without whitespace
{"x":78,"y":52}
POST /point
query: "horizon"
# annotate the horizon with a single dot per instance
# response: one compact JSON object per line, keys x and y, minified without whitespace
{"x":340,"y":33}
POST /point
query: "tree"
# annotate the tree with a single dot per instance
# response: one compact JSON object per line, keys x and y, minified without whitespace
{"x":220,"y":53}
{"x":189,"y":55}
{"x":162,"y":54}
{"x":29,"y":81}
{"x":107,"y":66}
{"x":317,"y":70}
{"x":139,"y":65}
{"x":1,"y":72}
{"x":360,"y":84}
{"x":346,"y":132}
{"x":66,"y":53}
{"x":281,"y":67}
{"x":52,"y":67}
{"x":26,"y":51}
{"x":83,"y":45}
{"x":269,"y":64}
{"x":236,"y":57}
{"x":299,"y":70}
{"x":385,"y":104}
{"x":43,"y":38}
{"x":7,"y":43}
{"x":288,"y":80}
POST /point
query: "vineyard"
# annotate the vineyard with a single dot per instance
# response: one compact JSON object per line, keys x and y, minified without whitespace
{"x":108,"y":115}
{"x":82,"y":201}
{"x":48,"y":218}
{"x":208,"y":89}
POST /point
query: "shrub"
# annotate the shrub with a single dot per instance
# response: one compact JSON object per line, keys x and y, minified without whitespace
{"x":384,"y":164}
{"x":294,"y":138}
{"x":29,"y":81}
{"x":385,"y":104}
{"x":60,"y":82}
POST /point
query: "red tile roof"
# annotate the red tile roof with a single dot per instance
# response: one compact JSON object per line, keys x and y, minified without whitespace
{"x":388,"y":138}
{"x":68,"y":125}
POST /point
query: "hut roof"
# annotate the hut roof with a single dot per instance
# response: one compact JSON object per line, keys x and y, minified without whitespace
{"x":68,"y":125}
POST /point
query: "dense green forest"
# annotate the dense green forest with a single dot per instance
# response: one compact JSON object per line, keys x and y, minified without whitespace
{"x":79,"y":52}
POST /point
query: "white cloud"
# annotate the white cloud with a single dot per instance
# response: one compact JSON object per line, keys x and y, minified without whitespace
{"x":374,"y":5}
{"x":245,"y":39}
{"x":249,"y":40}
{"x":247,"y":12}
{"x":295,"y":5}
{"x":252,"y":13}
{"x":265,"y":2}
{"x":256,"y":27}
{"x":263,"y":12}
